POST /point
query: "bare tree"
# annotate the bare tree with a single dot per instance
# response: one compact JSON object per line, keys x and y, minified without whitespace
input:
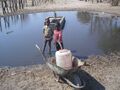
{"x":4,"y":5}
{"x":21,"y":4}
{"x":115,"y":2}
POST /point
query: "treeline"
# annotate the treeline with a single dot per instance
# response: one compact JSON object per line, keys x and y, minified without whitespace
{"x":39,"y":2}
{"x":10,"y":6}
{"x":112,"y":2}
{"x":115,"y":2}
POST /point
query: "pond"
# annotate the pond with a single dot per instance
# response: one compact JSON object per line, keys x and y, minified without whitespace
{"x":85,"y":33}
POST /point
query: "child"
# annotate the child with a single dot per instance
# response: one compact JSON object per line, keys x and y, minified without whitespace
{"x":58,"y":37}
{"x":48,"y":35}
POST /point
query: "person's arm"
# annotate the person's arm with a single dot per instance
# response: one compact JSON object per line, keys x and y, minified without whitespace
{"x":60,"y":36}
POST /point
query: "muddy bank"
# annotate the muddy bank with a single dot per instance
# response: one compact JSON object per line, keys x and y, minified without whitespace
{"x":104,"y":71}
{"x":102,"y":74}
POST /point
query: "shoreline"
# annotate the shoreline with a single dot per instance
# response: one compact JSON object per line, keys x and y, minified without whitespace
{"x":103,"y":73}
{"x":70,"y":6}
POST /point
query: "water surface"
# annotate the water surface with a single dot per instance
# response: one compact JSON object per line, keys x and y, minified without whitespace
{"x":85,"y":33}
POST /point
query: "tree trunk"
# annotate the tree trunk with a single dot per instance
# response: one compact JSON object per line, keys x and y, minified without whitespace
{"x":115,"y":2}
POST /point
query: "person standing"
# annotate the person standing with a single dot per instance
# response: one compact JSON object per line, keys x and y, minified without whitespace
{"x":48,"y":34}
{"x":58,"y":37}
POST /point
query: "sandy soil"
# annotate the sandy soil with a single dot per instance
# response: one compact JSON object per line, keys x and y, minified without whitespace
{"x":102,"y":74}
{"x":71,"y":5}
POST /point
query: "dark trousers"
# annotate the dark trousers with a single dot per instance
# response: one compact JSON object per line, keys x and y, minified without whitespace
{"x":49,"y":44}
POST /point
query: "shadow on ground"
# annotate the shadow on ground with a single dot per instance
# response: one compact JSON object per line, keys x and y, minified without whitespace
{"x":91,"y":82}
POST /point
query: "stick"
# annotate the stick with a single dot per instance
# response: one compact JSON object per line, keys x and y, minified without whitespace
{"x":41,"y":52}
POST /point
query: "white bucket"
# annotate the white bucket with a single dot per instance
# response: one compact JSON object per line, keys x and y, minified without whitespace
{"x":64,"y":59}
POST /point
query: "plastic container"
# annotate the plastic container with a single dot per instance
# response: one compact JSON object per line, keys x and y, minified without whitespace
{"x":64,"y":59}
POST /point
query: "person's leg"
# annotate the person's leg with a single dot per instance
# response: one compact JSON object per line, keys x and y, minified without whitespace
{"x":44,"y":45}
{"x":50,"y":46}
{"x":57,"y":46}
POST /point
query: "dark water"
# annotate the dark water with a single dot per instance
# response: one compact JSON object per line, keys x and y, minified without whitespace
{"x":85,"y":33}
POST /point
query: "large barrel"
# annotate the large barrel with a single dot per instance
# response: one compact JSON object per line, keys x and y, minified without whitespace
{"x":64,"y":59}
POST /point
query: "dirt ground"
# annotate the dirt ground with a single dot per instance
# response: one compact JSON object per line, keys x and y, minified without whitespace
{"x":102,"y":74}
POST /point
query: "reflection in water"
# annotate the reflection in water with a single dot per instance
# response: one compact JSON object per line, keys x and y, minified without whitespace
{"x":7,"y":22}
{"x":84,"y":34}
{"x":105,"y":26}
{"x":101,"y":24}
{"x":84,"y":17}
{"x":11,"y":20}
{"x":0,"y":25}
{"x":109,"y":30}
{"x":110,"y":41}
